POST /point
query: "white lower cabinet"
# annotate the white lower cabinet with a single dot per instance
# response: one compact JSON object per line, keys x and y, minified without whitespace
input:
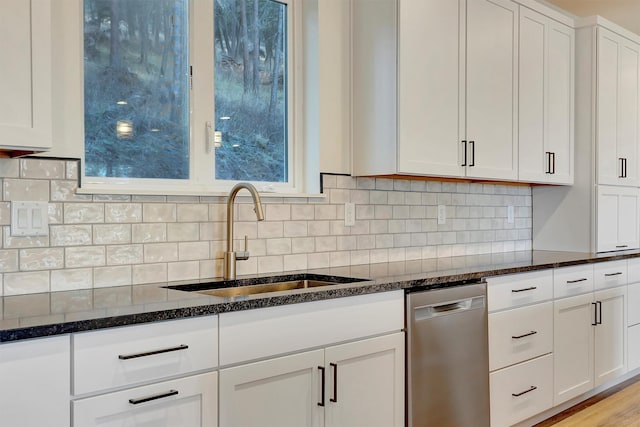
{"x":589,"y":341}
{"x":360,"y":383}
{"x":35,"y":382}
{"x":184,"y":402}
{"x":521,"y":391}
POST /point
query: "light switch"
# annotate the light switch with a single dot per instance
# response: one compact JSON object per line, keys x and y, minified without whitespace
{"x":29,"y":219}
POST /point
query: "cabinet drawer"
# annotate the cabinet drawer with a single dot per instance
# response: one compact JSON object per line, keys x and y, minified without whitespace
{"x":514,"y":290}
{"x":124,"y":356}
{"x":520,"y":334}
{"x":633,"y":270}
{"x":256,"y":334}
{"x":633,"y":304}
{"x":188,"y":402}
{"x":610,"y":274}
{"x":521,"y":391}
{"x":569,"y":281}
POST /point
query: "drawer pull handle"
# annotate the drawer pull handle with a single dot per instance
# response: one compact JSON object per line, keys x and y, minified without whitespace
{"x":524,"y":289}
{"x":151,"y":353}
{"x":517,"y":337}
{"x":612,"y":274}
{"x":529,"y":390}
{"x":321,"y":370}
{"x":584,"y":279}
{"x":622,"y":246}
{"x":335,"y":383}
{"x":153,"y":397}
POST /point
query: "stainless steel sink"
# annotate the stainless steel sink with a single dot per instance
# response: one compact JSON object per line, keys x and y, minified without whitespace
{"x":263,"y":285}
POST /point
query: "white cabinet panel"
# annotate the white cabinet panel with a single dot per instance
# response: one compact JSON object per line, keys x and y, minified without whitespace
{"x":569,"y":281}
{"x":521,"y":391}
{"x":491,"y":87}
{"x":266,"y":332}
{"x":365,"y":384}
{"x":118,"y":357}
{"x":610,"y":334}
{"x":573,"y":347}
{"x":185,"y":402}
{"x":515,"y":290}
{"x":610,"y":274}
{"x":520,"y":334}
{"x":618,"y":71}
{"x":35,"y":382}
{"x":429,"y":111}
{"x":26,"y":79}
{"x":633,"y":352}
{"x":617,"y":218}
{"x":285,"y":391}
{"x":545,"y":142}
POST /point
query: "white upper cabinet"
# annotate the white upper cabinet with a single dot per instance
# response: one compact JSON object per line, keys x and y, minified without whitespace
{"x":25,"y":80}
{"x":435,"y":88}
{"x":491,"y":90}
{"x":430,"y":91}
{"x":435,"y":91}
{"x":617,"y":109}
{"x":546,"y":99}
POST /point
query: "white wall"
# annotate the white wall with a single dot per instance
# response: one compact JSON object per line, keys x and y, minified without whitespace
{"x":625,"y":13}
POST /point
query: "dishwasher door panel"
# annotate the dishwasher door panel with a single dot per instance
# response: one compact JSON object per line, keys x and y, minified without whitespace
{"x":447,"y":357}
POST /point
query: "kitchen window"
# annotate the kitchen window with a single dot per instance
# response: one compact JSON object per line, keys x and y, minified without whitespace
{"x":191,"y":94}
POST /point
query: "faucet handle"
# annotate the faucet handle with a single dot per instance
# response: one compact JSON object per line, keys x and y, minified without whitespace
{"x":243,"y":255}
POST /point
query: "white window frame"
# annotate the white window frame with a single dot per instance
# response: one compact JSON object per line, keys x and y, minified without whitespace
{"x":201,"y":157}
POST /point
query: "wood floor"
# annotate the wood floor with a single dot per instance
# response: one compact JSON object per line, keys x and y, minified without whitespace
{"x":616,"y":407}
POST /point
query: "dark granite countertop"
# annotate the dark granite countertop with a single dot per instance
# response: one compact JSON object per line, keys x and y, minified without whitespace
{"x":45,"y":314}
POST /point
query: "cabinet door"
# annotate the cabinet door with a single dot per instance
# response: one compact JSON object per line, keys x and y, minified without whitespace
{"x":429,"y":89}
{"x":617,"y":218}
{"x":491,"y":91}
{"x":573,"y":346}
{"x":25,"y":82}
{"x":185,"y":402}
{"x":617,"y":109}
{"x":35,"y":382}
{"x":365,"y":383}
{"x":559,"y":105}
{"x":610,"y":332}
{"x":281,"y":392}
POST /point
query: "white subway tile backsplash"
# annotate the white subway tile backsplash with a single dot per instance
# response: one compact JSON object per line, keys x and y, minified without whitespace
{"x":71,"y":279}
{"x":112,"y":276}
{"x":93,"y":256}
{"x":107,"y":240}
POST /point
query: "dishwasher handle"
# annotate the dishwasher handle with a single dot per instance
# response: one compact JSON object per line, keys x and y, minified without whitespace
{"x":426,"y":312}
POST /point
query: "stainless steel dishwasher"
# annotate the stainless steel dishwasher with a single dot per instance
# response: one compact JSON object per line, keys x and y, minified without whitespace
{"x":448,"y":357}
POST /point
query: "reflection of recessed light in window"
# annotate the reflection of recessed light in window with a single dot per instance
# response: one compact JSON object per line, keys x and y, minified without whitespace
{"x":225,"y":118}
{"x":155,"y":130}
{"x":122,"y":102}
{"x":235,"y":145}
{"x":124,"y":129}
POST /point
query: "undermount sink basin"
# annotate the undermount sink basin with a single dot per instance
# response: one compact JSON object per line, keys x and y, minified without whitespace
{"x":263,"y":285}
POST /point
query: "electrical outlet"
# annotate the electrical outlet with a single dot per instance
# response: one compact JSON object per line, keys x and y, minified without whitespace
{"x":442,"y":214}
{"x":349,"y":214}
{"x":510,"y":214}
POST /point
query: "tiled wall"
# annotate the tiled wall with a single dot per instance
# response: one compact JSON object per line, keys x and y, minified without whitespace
{"x":103,"y":240}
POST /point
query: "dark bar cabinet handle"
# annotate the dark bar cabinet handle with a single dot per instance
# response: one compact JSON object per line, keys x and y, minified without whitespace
{"x":335,"y":382}
{"x":524,"y":289}
{"x":153,"y":397}
{"x":152,"y":352}
{"x":321,"y":369}
{"x":548,"y":153}
{"x":577,"y":280}
{"x":464,"y":150}
{"x":595,"y":314}
{"x":621,"y":167}
{"x":529,"y":390}
{"x":553,"y":158}
{"x":612,"y":274}
{"x":473,"y":153}
{"x":599,"y":322}
{"x":517,"y":337}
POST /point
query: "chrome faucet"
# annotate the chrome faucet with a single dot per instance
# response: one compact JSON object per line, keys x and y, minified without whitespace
{"x":230,"y":256}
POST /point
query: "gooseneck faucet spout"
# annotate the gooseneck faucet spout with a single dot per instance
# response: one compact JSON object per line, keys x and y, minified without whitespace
{"x":230,"y":256}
